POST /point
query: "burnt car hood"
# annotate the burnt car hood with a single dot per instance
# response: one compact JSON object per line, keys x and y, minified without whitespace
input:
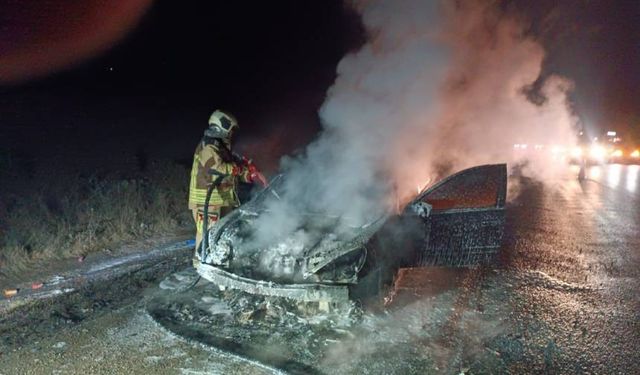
{"x":299,"y":257}
{"x":461,"y":218}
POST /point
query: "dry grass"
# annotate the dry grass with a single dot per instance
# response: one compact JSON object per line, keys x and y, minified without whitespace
{"x":48,"y":217}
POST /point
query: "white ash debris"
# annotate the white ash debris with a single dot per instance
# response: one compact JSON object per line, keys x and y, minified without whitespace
{"x":215,"y":306}
{"x":221,"y":253}
{"x":179,"y":280}
{"x":212,"y":305}
{"x":59,"y":345}
{"x":280,"y":258}
{"x":246,"y":251}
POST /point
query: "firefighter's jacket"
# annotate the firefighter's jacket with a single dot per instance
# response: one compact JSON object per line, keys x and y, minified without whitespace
{"x":212,"y":158}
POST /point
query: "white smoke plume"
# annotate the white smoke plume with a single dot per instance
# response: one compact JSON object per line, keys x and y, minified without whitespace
{"x":491,"y":99}
{"x":436,"y":84}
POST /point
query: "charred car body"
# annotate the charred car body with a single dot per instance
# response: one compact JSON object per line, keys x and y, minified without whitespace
{"x":457,"y":222}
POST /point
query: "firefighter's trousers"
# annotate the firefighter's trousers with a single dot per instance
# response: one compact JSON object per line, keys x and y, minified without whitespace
{"x":198,"y":218}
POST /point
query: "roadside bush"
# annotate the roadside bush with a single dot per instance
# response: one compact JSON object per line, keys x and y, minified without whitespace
{"x":47,"y":217}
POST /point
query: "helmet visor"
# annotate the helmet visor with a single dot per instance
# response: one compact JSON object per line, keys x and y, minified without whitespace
{"x":226,"y":123}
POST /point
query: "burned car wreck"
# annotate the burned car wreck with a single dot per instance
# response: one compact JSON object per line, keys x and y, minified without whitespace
{"x":456,"y":222}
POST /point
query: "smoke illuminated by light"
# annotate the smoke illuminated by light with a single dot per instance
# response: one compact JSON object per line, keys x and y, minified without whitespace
{"x":481,"y":113}
{"x":598,"y":153}
{"x":576,"y":152}
{"x":437,"y":87}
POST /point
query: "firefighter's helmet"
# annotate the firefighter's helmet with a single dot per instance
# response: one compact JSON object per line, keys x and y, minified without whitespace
{"x":222,"y":125}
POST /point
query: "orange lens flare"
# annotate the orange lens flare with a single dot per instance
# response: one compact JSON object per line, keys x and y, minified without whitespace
{"x":44,"y":37}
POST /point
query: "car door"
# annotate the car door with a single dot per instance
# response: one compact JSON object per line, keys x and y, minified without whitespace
{"x":463,"y":217}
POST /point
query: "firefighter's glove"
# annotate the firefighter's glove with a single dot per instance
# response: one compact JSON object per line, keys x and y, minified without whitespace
{"x":255,"y":175}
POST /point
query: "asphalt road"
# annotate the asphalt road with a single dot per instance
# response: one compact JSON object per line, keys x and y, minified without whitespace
{"x":585,"y":236}
{"x":562,"y":298}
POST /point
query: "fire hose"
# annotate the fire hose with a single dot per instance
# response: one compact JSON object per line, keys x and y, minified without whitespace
{"x":254,"y":174}
{"x":205,"y":218}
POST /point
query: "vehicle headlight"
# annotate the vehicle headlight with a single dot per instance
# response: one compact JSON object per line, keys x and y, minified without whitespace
{"x":635,"y":154}
{"x":617,"y":153}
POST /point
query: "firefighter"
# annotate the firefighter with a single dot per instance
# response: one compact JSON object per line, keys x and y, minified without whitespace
{"x":215,"y":164}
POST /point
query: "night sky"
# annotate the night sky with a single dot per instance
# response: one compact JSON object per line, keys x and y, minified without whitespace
{"x":595,"y":43}
{"x":269,"y":63}
{"x":92,"y":81}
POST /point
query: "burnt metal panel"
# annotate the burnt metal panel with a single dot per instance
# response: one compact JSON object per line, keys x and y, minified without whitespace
{"x":317,"y":258}
{"x":462,"y":238}
{"x":483,"y":186}
{"x":466,"y":221}
{"x":300,"y":292}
